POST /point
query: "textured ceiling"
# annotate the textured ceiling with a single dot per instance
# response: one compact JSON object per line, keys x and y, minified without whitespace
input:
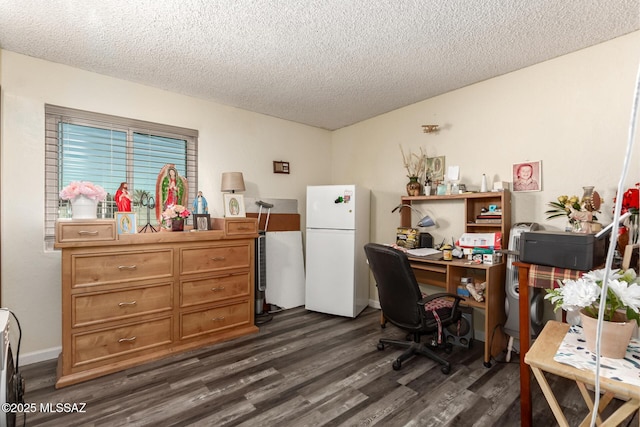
{"x":326,"y":63}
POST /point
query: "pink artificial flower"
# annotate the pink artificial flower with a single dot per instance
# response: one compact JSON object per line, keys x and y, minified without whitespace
{"x":85,"y":188}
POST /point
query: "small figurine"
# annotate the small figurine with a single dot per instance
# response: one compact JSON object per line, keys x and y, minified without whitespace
{"x":200,"y":204}
{"x":123,"y":198}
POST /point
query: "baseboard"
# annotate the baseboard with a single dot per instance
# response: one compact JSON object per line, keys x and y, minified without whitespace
{"x":39,"y":356}
{"x":374,"y":304}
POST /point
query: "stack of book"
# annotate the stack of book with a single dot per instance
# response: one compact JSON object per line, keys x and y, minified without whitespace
{"x":490,"y":217}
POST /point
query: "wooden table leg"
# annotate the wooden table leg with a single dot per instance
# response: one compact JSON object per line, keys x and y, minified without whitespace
{"x":551,"y":398}
{"x":526,"y":413}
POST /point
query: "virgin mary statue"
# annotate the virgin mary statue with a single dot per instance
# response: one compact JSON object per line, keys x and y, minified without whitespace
{"x":171,"y":189}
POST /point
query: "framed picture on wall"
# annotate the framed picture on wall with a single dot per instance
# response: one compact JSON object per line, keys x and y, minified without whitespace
{"x":527,"y":176}
{"x":234,"y":205}
{"x":126,"y":223}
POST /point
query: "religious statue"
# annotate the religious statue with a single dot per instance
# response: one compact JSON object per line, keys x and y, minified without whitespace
{"x":123,"y":198}
{"x":171,"y":189}
{"x":200,"y":204}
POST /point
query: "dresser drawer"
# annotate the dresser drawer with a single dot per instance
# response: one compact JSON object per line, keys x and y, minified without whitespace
{"x":85,"y":231}
{"x":215,"y":258}
{"x":215,"y":319}
{"x":212,"y":289}
{"x":119,"y":267}
{"x":237,"y":226}
{"x":93,"y":308}
{"x":110,"y":343}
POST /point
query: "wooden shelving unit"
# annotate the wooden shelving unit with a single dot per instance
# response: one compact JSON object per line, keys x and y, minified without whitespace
{"x":448,"y":274}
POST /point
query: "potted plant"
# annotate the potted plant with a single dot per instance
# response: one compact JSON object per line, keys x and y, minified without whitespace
{"x":621,"y":306}
{"x":174,"y":216}
{"x":84,"y":197}
{"x":580,"y":214}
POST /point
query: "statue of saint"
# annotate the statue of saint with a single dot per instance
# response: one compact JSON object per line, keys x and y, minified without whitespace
{"x":171,"y":189}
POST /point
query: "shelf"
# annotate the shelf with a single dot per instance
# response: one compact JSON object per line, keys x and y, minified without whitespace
{"x":448,"y":274}
{"x":484,"y":195}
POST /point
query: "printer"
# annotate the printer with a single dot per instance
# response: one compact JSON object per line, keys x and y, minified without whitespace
{"x":575,"y":251}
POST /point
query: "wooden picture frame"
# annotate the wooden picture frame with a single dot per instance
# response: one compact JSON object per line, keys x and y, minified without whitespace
{"x":527,"y":176}
{"x":280,"y":167}
{"x":126,"y":223}
{"x":234,"y":205}
{"x":201,"y":222}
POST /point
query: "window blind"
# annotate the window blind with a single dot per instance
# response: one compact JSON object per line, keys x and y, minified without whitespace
{"x":108,"y":150}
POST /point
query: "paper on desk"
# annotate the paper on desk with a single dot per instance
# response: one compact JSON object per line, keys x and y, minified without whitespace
{"x":573,"y":352}
{"x":423,"y":252}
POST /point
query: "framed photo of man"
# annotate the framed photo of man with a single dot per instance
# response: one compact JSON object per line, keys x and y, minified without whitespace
{"x":527,"y":176}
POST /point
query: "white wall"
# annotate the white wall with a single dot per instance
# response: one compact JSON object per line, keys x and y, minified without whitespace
{"x":571,"y":112}
{"x":230,"y":140}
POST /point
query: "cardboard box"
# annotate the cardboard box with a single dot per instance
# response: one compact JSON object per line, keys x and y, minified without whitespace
{"x":489,"y":258}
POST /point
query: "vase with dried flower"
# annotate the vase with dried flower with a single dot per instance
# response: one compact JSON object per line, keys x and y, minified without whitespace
{"x":416,"y":166}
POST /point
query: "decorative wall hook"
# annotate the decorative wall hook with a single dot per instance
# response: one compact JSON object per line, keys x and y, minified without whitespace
{"x":430,"y":128}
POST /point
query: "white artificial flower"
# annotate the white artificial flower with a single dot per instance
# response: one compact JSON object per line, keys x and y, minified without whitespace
{"x":629,"y":294}
{"x":576,"y":293}
{"x":597,"y":276}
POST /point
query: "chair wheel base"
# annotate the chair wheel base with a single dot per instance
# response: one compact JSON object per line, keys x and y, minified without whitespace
{"x":397,"y":364}
{"x":380,"y":346}
{"x":445,"y":370}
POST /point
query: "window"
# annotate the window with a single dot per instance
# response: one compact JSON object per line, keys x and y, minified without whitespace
{"x":107,"y":150}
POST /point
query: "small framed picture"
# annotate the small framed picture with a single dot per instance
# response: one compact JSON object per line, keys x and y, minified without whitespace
{"x":527,"y":176}
{"x":280,"y":166}
{"x":234,"y":205}
{"x":201,"y":222}
{"x":435,"y":168}
{"x":126,"y":223}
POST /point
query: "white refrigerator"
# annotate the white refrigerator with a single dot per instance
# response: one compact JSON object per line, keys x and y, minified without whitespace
{"x":337,"y":274}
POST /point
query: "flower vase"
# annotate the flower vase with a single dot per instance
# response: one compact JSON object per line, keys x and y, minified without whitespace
{"x":177,"y":225}
{"x":414,"y":188}
{"x":83,"y":207}
{"x":615,"y":335}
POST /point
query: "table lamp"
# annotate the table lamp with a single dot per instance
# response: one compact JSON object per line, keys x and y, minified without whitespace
{"x":232,"y":182}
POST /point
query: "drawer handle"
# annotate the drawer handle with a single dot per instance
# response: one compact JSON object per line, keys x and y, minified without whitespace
{"x":218,"y":319}
{"x":132,"y":339}
{"x":92,"y":233}
{"x":219,"y":288}
{"x":124,"y":304}
{"x":217,"y":258}
{"x":127,"y":267}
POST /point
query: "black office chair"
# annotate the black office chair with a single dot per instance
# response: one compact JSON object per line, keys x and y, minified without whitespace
{"x":404,"y":306}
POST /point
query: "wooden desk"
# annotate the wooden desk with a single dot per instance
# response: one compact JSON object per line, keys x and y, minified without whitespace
{"x":541,"y":359}
{"x":525,"y":339}
{"x":447,"y":275}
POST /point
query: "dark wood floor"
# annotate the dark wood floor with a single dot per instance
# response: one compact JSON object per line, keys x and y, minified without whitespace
{"x":301,"y":369}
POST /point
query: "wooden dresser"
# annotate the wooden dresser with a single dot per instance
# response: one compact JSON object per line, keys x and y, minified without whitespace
{"x":129,"y":299}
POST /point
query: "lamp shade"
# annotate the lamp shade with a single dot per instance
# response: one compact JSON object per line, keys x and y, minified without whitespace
{"x":232,"y":181}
